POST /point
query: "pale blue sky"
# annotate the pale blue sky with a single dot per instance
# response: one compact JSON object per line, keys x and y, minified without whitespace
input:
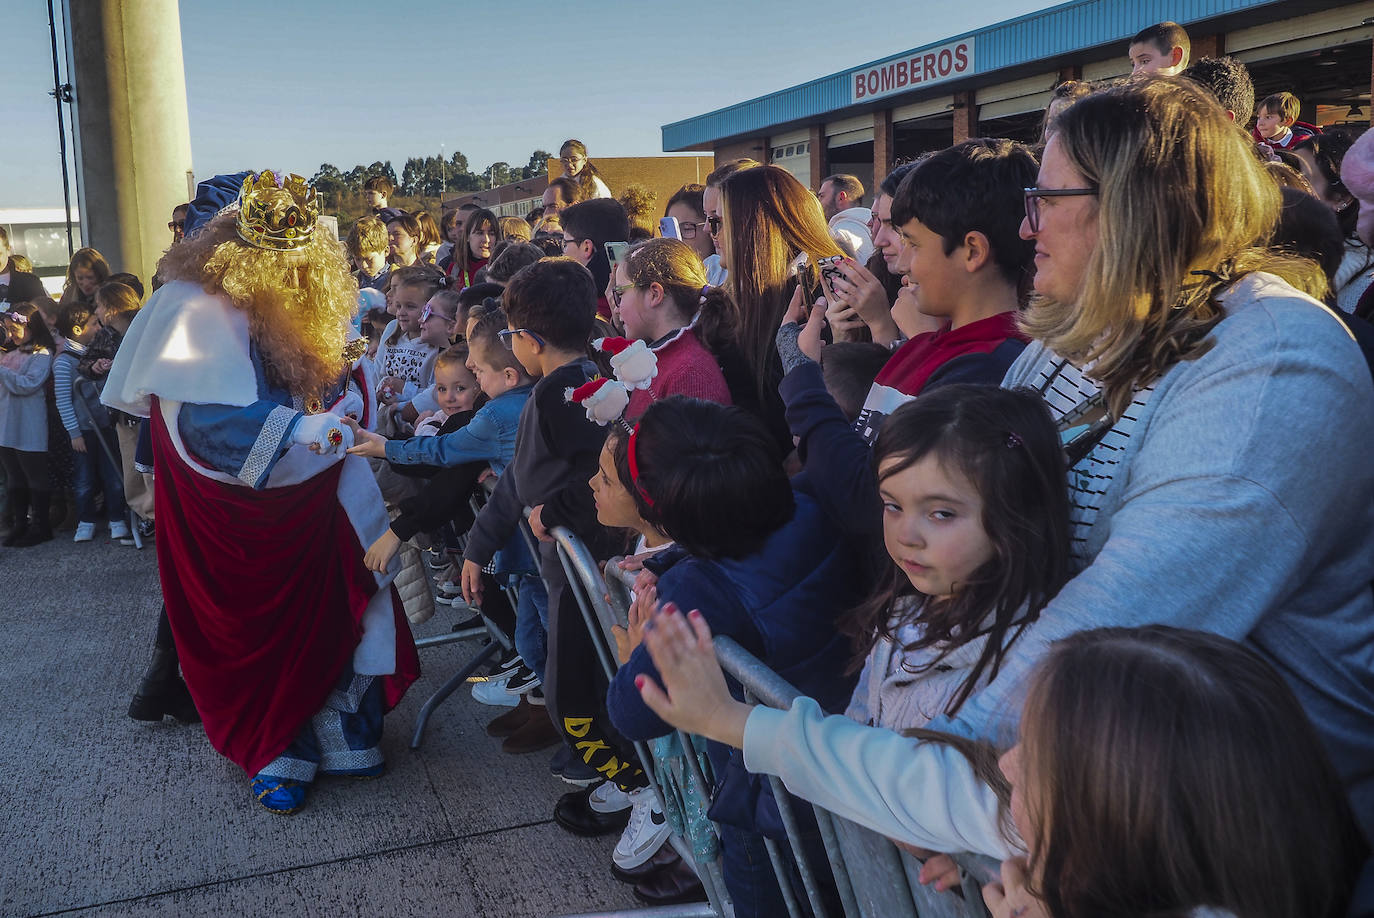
{"x":312,"y":81}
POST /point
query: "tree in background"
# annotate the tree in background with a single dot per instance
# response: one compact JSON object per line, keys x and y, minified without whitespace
{"x":538,"y":164}
{"x":423,"y":182}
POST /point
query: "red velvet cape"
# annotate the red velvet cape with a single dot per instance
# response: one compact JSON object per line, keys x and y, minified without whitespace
{"x":265,"y":592}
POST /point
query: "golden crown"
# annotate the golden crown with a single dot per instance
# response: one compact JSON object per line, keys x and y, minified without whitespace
{"x":268,"y":221}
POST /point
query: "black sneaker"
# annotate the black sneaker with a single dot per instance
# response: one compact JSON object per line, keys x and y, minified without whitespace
{"x":472,"y":621}
{"x":522,"y":682}
{"x":146,"y":528}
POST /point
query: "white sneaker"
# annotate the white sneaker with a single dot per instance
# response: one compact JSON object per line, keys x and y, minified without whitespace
{"x":607,"y":798}
{"x":120,"y":530}
{"x":84,"y":532}
{"x":646,"y":833}
{"x":493,"y":692}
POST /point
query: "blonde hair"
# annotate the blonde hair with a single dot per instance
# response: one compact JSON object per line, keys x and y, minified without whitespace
{"x":1283,"y":104}
{"x":674,"y":266}
{"x":299,"y":303}
{"x":515,"y":229}
{"x":1184,"y":209}
{"x":116,"y":299}
{"x":367,"y":237}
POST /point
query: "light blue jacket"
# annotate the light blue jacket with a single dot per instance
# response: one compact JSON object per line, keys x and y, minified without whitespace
{"x":488,"y":437}
{"x":1242,"y":505}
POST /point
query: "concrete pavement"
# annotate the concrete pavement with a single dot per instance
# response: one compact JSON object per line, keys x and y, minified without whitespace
{"x":106,"y":816}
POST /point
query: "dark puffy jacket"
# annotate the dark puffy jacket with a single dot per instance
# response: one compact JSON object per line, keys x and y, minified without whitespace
{"x":781,"y":605}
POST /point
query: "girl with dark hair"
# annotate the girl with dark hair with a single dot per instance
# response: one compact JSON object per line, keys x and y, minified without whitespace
{"x":976,"y":521}
{"x":576,"y":166}
{"x":755,"y":554}
{"x":688,"y":207}
{"x":26,"y":355}
{"x":472,"y":251}
{"x":662,"y":297}
{"x":1160,"y":771}
{"x":1322,"y":156}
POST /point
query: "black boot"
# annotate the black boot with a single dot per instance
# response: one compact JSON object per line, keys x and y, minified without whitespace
{"x":162,"y":691}
{"x":18,"y":513}
{"x":40,"y":528}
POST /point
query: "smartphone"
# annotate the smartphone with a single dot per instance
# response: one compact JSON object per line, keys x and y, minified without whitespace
{"x":830,"y":269}
{"x":668,"y":228}
{"x":615,"y":253}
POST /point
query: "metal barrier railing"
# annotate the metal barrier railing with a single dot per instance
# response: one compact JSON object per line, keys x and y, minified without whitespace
{"x":876,"y":880}
{"x":603,"y":608}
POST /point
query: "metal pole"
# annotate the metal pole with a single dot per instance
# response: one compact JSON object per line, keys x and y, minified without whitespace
{"x":61,"y":92}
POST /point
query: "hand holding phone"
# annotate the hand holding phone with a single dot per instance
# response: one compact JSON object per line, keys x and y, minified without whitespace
{"x":669,"y":228}
{"x":830,"y":269}
{"x":615,"y":254}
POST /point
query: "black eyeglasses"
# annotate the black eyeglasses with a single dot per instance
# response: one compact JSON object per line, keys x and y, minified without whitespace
{"x":618,"y":291}
{"x":690,"y":230}
{"x":714,"y":224}
{"x":507,"y":336}
{"x":1033,"y":196}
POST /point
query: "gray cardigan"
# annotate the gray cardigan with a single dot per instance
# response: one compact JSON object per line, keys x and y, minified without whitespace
{"x":1242,"y":504}
{"x":23,"y":406}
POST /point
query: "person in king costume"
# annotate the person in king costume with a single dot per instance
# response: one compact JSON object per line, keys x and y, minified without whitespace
{"x":292,"y":650}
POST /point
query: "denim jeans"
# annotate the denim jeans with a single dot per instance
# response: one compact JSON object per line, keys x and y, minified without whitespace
{"x":94,"y":469}
{"x":532,"y":622}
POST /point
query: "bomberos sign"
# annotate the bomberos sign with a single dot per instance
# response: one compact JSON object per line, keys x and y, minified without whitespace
{"x":912,"y":71}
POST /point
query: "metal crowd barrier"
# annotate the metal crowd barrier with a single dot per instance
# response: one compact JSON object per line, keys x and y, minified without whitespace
{"x":601,"y":610}
{"x":872,"y":876}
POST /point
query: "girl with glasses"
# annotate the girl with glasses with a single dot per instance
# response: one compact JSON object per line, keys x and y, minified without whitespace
{"x":576,"y":165}
{"x":688,"y":207}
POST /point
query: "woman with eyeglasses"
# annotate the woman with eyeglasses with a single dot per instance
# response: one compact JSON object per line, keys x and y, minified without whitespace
{"x":576,"y":166}
{"x":1218,"y":417}
{"x":688,"y":207}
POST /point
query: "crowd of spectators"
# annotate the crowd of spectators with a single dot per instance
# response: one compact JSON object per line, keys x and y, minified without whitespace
{"x":1008,"y":466}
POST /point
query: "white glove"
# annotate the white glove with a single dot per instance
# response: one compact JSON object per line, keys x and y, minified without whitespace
{"x":323,"y":433}
{"x":350,"y":404}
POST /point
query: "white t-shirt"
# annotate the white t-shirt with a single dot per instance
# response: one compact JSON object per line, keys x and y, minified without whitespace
{"x":408,"y":358}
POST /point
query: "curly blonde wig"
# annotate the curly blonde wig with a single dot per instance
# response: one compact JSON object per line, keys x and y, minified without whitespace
{"x":299,"y":303}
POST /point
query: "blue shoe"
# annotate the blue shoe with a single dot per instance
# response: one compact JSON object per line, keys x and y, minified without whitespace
{"x":278,"y":795}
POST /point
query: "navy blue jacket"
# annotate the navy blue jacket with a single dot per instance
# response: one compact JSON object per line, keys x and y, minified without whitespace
{"x":780,"y":604}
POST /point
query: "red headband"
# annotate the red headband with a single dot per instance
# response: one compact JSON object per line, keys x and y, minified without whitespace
{"x":634,"y":466}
